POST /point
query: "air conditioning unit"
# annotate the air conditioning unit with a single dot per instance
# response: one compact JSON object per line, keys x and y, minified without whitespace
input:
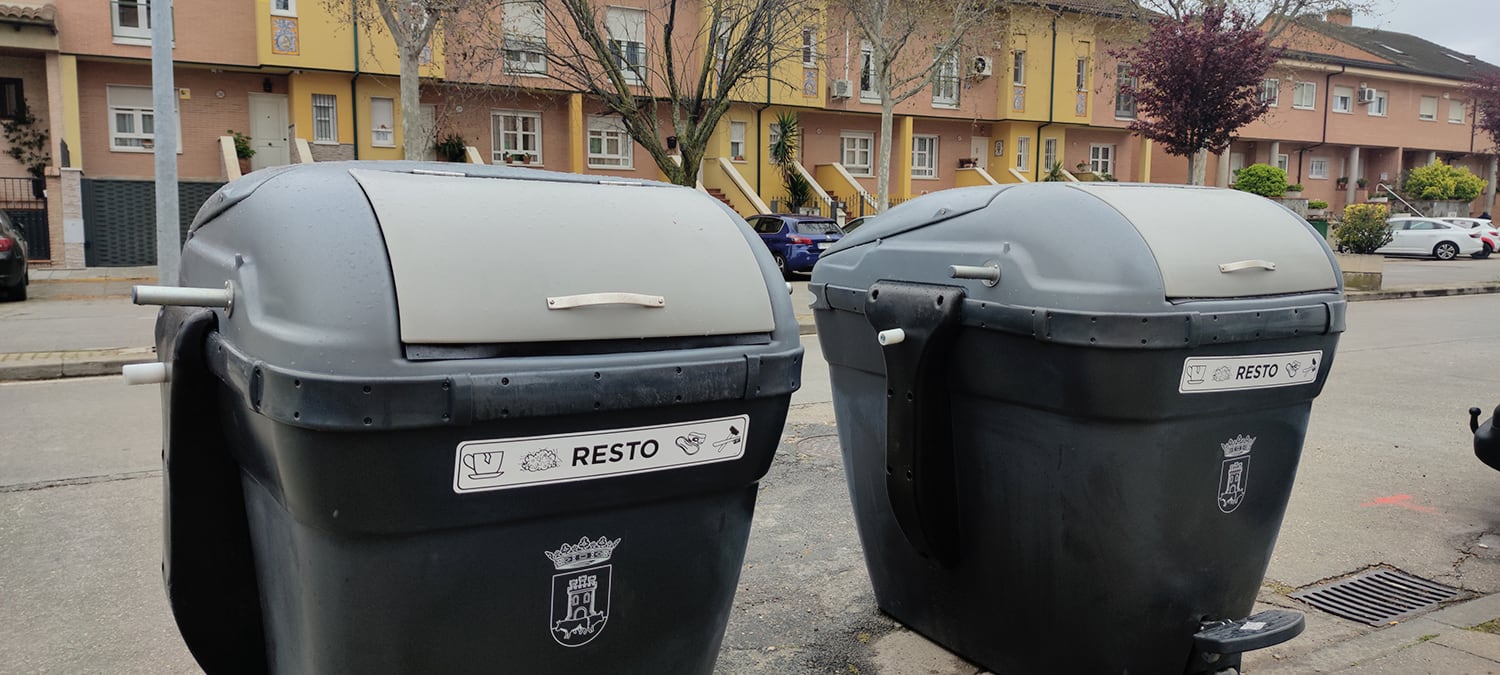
{"x":1367,"y":96}
{"x":981,"y":66}
{"x":843,"y":88}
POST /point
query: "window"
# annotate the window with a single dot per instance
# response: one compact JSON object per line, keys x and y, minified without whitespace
{"x":627,"y":41}
{"x":284,"y":7}
{"x":131,"y":126}
{"x":1023,"y":153}
{"x":1270,"y":91}
{"x":518,"y":133}
{"x":1101,"y":158}
{"x":867,"y":73}
{"x":132,"y":21}
{"x":945,"y":83}
{"x":1378,"y":106}
{"x":1236,"y":162}
{"x":609,"y":146}
{"x":1124,"y":99}
{"x":737,"y":141}
{"x":525,"y":38}
{"x":1049,"y":153}
{"x":1018,"y":68}
{"x":1456,"y":111}
{"x":1304,"y":95}
{"x":773,"y":136}
{"x":12,"y":100}
{"x":1343,"y":99}
{"x":858,"y":147}
{"x":1081,"y":75}
{"x":1317,"y":168}
{"x":1428,"y":109}
{"x":809,"y":46}
{"x":325,"y":118}
{"x":382,"y":122}
{"x":721,"y":44}
{"x":924,"y":156}
{"x":1282,"y":161}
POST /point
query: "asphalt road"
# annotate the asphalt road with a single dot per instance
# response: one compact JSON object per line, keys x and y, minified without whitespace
{"x":1387,"y":477}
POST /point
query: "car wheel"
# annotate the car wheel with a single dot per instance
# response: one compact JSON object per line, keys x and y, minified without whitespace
{"x":781,"y":265}
{"x":1445,"y":250}
{"x":1484,"y":253}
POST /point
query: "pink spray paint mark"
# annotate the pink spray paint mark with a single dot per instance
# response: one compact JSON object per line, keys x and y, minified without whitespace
{"x":1401,"y":501}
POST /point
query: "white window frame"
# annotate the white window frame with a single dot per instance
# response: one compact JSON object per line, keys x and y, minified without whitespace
{"x":846,"y":151}
{"x":1081,"y":74}
{"x":290,"y":10}
{"x":945,"y":83}
{"x":1459,"y":107}
{"x":1380,"y":107}
{"x":1018,"y":67}
{"x":1317,"y":168}
{"x":607,"y":131}
{"x":1122,"y":79}
{"x":867,"y":91}
{"x":139,"y":34}
{"x":1049,"y":153}
{"x":627,"y":39}
{"x":382,"y":137}
{"x":773,"y":134}
{"x":924,"y":159}
{"x":1270,"y":92}
{"x":1283,"y":162}
{"x":1023,"y":154}
{"x":1102,"y":158}
{"x":1236,"y":163}
{"x":810,"y":47}
{"x":499,"y":135}
{"x":1343,"y":100}
{"x":331,"y":105}
{"x":524,"y":30}
{"x":135,"y":101}
{"x":1304,"y":95}
{"x":1422,"y":105}
{"x":737,"y":141}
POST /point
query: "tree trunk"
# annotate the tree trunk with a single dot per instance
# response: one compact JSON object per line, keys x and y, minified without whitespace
{"x":414,"y":144}
{"x":1198,"y":167}
{"x":883,"y":174}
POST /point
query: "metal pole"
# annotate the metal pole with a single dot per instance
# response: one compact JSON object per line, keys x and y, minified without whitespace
{"x":164,"y":118}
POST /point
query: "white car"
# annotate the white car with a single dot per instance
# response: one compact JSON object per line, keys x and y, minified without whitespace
{"x":1430,"y":236}
{"x":1488,"y":235}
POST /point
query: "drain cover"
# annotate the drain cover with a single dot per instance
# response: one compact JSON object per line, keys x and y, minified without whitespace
{"x":1377,"y":597}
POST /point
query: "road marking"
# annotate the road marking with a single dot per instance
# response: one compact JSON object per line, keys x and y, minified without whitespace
{"x":1400,"y":501}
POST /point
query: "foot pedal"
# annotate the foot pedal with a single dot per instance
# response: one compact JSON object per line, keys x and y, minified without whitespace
{"x":1266,"y":629}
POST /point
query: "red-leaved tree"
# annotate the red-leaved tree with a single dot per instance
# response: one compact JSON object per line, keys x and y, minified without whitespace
{"x":1197,"y":80}
{"x":1485,"y":92}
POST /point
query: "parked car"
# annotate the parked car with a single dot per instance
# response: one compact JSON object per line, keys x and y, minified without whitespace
{"x":1488,"y":235}
{"x":13,"y":274}
{"x":795,"y":241}
{"x":854,"y":224}
{"x":1430,"y":236}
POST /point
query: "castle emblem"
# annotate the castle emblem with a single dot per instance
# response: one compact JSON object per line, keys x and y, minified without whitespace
{"x":1234,"y":472}
{"x":580,"y":594}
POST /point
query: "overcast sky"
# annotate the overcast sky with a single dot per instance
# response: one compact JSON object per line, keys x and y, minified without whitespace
{"x":1469,"y":26}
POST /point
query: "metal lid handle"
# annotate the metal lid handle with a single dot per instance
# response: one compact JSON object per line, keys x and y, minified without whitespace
{"x":1226,"y":268}
{"x":591,"y":299}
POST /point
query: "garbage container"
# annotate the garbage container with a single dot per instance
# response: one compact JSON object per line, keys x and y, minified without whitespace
{"x":1071,"y":415}
{"x":447,"y":418}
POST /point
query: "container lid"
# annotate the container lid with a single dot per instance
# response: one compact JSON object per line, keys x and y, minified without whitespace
{"x":479,"y":260}
{"x":1211,"y":243}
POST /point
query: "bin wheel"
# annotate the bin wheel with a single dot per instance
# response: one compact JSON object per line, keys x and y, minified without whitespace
{"x":781,"y":266}
{"x":1485,"y":253}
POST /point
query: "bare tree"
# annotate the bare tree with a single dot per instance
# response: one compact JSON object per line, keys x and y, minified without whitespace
{"x":1273,"y":16}
{"x":911,"y":43}
{"x":671,"y":68}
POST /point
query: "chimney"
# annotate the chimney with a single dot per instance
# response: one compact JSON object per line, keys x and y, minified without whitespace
{"x":1342,"y":16}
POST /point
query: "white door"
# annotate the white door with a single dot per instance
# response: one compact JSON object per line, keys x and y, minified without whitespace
{"x":268,"y":130}
{"x":979,"y":148}
{"x":1401,"y":238}
{"x":428,"y":130}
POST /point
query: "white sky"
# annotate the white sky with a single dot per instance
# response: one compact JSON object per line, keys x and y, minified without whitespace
{"x":1468,"y":26}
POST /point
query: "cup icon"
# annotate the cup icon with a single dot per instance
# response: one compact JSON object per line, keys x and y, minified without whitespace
{"x":1195,"y":374}
{"x":484,"y":464}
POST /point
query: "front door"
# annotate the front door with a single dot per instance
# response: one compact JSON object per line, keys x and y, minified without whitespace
{"x":979,"y":148}
{"x":427,"y":129}
{"x":268,"y":130}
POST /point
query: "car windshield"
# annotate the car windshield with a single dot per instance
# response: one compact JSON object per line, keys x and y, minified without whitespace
{"x":817,"y":227}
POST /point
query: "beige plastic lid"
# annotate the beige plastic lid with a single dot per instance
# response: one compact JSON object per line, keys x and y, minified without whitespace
{"x":498,"y":260}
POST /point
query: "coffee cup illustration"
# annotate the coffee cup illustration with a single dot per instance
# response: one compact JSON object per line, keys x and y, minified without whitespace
{"x":484,"y":464}
{"x":1195,"y":374}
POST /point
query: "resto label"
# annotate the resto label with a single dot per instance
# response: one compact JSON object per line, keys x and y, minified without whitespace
{"x":1205,"y":374}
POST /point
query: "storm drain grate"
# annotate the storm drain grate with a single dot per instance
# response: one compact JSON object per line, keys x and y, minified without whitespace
{"x":1377,"y":597}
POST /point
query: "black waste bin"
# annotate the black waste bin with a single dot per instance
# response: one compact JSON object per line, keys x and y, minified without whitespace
{"x":467,"y":419}
{"x":1071,"y":415}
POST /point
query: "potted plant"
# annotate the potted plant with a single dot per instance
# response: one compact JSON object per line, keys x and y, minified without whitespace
{"x":242,"y":149}
{"x":517,"y":158}
{"x":1342,"y":183}
{"x":1082,"y":167}
{"x":452,"y":148}
{"x":1293,"y":191}
{"x":1054,"y":174}
{"x":1362,"y":231}
{"x":1361,"y":193}
{"x":967,"y":163}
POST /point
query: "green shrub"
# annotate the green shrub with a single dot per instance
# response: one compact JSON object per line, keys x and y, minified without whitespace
{"x":1294,"y":187}
{"x":1439,"y":181}
{"x":1262,"y":179}
{"x":1363,"y":229}
{"x":1317,"y":204}
{"x":452,"y":148}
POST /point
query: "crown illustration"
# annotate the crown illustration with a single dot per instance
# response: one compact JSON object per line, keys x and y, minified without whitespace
{"x":582,"y":554}
{"x":1237,"y":446}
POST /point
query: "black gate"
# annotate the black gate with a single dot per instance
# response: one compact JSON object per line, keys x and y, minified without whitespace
{"x":119,"y":219}
{"x":25,"y":201}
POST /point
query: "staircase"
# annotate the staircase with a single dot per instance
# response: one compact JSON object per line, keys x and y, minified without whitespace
{"x":718,"y":194}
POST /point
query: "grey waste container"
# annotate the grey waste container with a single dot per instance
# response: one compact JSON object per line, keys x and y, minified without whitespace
{"x":467,"y":419}
{"x":1071,"y":414}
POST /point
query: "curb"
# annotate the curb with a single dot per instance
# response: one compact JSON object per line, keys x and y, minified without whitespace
{"x":28,"y":366}
{"x":1423,"y":292}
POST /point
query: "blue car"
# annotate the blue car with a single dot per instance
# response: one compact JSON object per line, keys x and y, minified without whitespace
{"x":795,"y":241}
